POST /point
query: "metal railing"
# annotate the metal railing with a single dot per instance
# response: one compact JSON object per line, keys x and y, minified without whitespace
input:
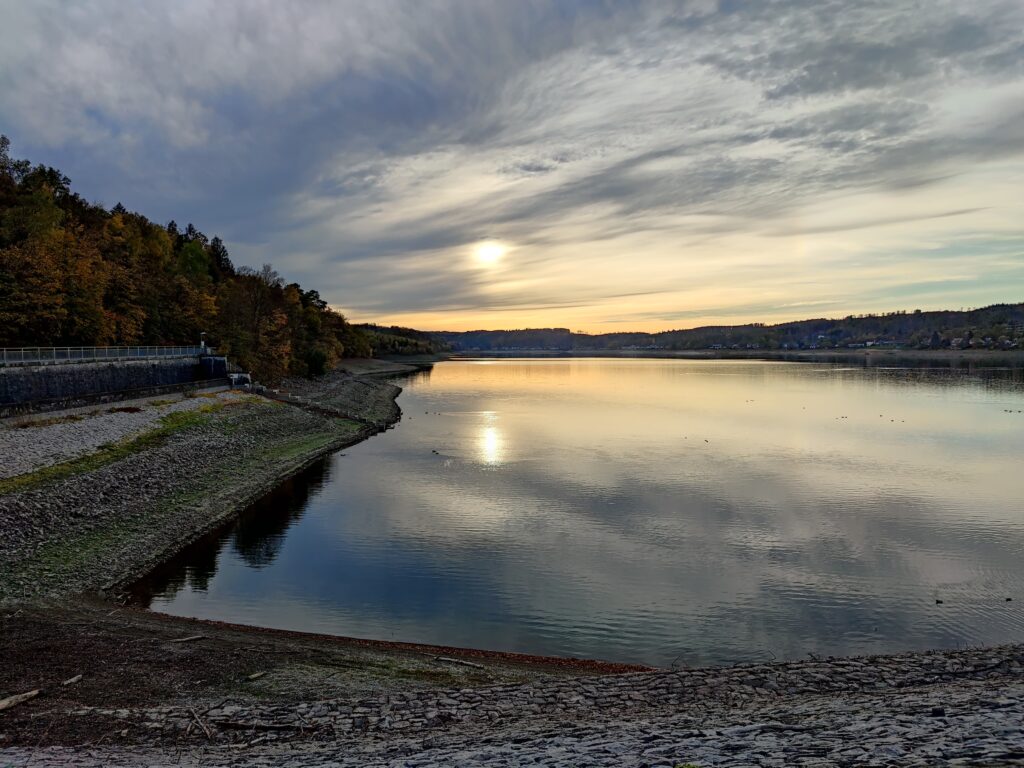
{"x":56,"y":355}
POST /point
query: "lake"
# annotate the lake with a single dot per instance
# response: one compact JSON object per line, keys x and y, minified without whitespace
{"x":651,"y":511}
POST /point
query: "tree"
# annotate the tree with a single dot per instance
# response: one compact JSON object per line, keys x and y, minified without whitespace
{"x":220,"y":259}
{"x":74,"y":273}
{"x":31,"y":297}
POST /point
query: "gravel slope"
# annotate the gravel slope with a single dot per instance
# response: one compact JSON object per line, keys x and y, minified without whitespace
{"x":28,"y":445}
{"x":100,"y":528}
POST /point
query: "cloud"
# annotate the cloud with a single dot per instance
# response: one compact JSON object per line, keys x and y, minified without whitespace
{"x":698,"y":150}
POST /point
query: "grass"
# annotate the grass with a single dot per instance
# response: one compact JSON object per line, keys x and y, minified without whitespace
{"x":108,"y":454}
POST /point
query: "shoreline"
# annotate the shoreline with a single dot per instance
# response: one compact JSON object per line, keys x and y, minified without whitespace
{"x":211,"y":472}
{"x":936,"y":708}
{"x":972,"y":359}
{"x":146,"y":675}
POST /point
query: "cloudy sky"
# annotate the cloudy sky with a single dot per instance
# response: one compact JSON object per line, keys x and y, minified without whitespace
{"x":600,"y":165}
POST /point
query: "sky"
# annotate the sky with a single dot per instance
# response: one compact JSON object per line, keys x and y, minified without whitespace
{"x":601,"y":165}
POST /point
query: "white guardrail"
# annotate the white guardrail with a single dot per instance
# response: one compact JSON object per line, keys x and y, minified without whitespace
{"x":57,"y":355}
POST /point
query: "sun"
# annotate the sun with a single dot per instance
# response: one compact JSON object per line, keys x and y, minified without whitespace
{"x":489,"y":252}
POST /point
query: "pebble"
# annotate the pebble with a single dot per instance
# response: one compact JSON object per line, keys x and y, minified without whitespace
{"x":27,"y":449}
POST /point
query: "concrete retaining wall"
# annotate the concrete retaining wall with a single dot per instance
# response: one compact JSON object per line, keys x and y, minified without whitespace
{"x":29,"y":388}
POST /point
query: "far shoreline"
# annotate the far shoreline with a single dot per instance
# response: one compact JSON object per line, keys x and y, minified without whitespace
{"x":868,"y":358}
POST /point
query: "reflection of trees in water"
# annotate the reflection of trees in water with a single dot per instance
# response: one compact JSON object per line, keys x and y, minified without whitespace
{"x":950,"y":376}
{"x":259,"y":533}
{"x":257,"y":536}
{"x":201,"y":569}
{"x":419,"y":376}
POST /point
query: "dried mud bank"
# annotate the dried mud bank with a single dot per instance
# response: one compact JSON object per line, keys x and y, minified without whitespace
{"x":950,"y":708}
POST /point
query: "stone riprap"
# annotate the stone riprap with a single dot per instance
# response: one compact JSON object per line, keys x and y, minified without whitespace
{"x":352,"y":394}
{"x":102,"y":529}
{"x":27,"y":446}
{"x":954,"y":708}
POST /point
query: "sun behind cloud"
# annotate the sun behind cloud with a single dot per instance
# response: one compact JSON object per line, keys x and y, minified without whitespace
{"x":489,"y":252}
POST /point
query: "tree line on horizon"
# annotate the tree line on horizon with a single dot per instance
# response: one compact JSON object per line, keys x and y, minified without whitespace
{"x":73,"y":273}
{"x":1000,"y":326}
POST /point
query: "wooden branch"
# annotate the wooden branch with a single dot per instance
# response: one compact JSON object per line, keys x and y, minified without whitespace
{"x":209,"y":736}
{"x":18,"y":698}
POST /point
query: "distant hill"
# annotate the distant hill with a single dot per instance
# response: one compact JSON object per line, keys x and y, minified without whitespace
{"x":1000,"y":326}
{"x":395,"y":340}
{"x":533,"y":338}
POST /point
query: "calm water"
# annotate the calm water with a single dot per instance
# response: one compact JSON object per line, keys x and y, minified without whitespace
{"x":651,"y":511}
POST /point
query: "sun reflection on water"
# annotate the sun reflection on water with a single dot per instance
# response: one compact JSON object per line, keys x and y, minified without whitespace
{"x":491,"y":443}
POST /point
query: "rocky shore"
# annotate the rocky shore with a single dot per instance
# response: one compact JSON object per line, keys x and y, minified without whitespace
{"x":930,"y":709}
{"x":90,"y":503}
{"x":103,"y":496}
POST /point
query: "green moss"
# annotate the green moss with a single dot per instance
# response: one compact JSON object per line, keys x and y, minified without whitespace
{"x":108,"y":454}
{"x":79,"y":552}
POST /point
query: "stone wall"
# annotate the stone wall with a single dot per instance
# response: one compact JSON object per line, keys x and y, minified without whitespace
{"x":25,"y":388}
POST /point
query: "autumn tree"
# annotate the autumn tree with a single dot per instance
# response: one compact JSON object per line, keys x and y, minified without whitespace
{"x":74,"y":273}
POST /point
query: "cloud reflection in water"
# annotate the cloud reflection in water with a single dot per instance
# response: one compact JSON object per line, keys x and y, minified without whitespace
{"x":649,"y":510}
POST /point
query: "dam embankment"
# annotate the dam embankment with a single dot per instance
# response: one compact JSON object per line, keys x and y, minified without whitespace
{"x":143,"y":481}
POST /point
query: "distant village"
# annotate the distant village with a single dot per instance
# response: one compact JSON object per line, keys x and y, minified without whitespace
{"x":1012,"y":339}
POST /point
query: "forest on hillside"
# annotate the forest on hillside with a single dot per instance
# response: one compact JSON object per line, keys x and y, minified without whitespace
{"x":398,"y":340}
{"x":75,"y":274}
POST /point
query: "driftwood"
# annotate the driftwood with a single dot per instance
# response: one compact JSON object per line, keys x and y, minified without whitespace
{"x":18,"y":698}
{"x":209,"y":736}
{"x":72,"y":680}
{"x":256,"y":675}
{"x":187,"y":639}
